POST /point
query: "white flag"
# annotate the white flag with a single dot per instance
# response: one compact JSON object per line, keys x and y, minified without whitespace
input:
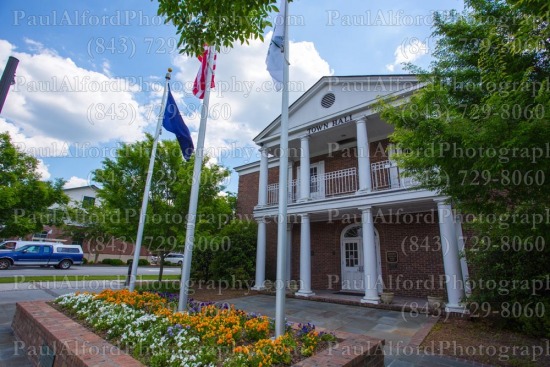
{"x":275,"y":55}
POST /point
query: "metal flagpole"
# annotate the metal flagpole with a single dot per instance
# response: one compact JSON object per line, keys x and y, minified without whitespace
{"x":145,"y":200}
{"x":283,"y":195}
{"x":193,"y":201}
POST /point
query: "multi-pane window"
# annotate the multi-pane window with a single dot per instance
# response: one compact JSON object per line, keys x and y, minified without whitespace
{"x":352,"y":254}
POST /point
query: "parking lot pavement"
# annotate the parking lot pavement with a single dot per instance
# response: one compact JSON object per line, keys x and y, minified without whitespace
{"x":12,"y":352}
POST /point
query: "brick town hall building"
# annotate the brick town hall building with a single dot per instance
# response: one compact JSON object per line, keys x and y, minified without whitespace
{"x":355,"y":223}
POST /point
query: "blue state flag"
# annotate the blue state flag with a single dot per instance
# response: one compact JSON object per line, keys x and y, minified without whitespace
{"x":173,"y":122}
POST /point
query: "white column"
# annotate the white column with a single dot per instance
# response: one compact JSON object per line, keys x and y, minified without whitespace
{"x":369,"y":257}
{"x":288,"y":253}
{"x":262,"y":185}
{"x":451,"y":260}
{"x":305,"y":258}
{"x":363,"y":156}
{"x":260,"y":256}
{"x":463,"y":262}
{"x":304,"y":168}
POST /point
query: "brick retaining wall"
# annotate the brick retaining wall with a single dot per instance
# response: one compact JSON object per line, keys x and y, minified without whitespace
{"x":36,"y":324}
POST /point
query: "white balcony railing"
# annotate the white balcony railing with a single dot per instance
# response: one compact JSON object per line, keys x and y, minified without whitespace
{"x":326,"y":185}
{"x":273,"y":192}
{"x":334,"y":183}
{"x":385,"y":176}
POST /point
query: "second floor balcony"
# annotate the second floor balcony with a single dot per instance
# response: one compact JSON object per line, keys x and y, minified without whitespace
{"x":385,"y":175}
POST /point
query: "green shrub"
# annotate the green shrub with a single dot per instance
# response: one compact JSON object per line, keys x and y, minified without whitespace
{"x":114,"y":262}
{"x":234,"y":252}
{"x":141,"y":262}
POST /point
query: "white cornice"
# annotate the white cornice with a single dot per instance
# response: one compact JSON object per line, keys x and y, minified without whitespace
{"x":363,"y":109}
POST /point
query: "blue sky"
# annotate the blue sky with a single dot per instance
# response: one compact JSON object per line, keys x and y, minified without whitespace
{"x":91,"y":73}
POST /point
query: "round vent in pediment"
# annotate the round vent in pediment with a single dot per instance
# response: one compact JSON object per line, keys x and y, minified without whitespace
{"x":328,"y":100}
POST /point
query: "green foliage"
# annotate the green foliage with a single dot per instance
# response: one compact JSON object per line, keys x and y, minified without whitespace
{"x":123,"y":182}
{"x":141,"y":262}
{"x":114,"y":262}
{"x":90,"y":225}
{"x":24,"y":198}
{"x":216,"y":23}
{"x":235,"y":252}
{"x":478,"y":132}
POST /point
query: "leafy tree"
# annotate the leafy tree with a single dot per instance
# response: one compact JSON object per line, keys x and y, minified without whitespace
{"x":123,"y":182}
{"x":216,"y":23}
{"x":24,"y":198}
{"x":235,"y":251}
{"x":219,"y":214}
{"x":479,"y":132}
{"x":89,"y":225}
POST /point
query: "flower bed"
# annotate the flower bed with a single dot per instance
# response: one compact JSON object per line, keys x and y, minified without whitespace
{"x":206,"y":335}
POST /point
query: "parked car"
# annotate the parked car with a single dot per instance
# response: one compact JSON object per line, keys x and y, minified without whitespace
{"x":174,"y":258}
{"x":58,"y":255}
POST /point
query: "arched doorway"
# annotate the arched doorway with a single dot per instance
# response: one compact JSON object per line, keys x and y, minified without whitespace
{"x":353,"y":270}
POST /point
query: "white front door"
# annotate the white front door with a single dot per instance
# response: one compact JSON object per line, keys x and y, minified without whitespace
{"x":352,"y":265}
{"x":353,"y":270}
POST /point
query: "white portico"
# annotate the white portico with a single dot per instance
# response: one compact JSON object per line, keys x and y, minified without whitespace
{"x":340,"y":166}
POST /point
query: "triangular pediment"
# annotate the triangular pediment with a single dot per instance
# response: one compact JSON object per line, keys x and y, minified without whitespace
{"x":339,"y":97}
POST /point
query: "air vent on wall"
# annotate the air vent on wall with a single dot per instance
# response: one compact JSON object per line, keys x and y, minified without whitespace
{"x":328,"y":100}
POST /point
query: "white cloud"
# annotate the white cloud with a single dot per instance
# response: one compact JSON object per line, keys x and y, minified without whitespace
{"x":406,"y":53}
{"x":55,"y":104}
{"x":42,"y":170}
{"x":56,"y":99}
{"x":37,"y":145}
{"x":75,"y":182}
{"x":244,"y":101}
{"x":36,"y":46}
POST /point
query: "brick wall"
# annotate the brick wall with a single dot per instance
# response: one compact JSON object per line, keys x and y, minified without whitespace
{"x":419,"y":269}
{"x":36,"y":324}
{"x":414,"y":237}
{"x":248,"y":193}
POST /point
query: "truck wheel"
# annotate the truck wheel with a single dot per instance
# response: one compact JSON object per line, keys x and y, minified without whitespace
{"x":65,"y":264}
{"x":180,"y":262}
{"x":4,"y":264}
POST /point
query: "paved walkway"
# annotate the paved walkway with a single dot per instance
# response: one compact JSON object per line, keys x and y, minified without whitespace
{"x":402,"y":331}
